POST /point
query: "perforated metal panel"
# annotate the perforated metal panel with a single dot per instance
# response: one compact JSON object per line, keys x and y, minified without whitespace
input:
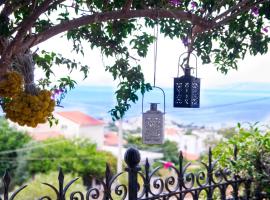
{"x":153,"y":127}
{"x":186,"y":92}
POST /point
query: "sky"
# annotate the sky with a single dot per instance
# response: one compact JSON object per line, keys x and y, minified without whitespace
{"x":251,"y":69}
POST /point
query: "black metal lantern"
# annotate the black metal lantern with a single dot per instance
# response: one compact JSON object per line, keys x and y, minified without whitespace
{"x":186,"y":89}
{"x":153,"y":122}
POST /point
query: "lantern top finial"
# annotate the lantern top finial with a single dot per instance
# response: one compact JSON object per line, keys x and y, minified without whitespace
{"x":187,"y":70}
{"x":153,"y":106}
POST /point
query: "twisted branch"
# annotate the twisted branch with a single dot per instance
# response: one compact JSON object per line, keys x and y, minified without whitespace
{"x":127,"y":5}
{"x":112,"y":15}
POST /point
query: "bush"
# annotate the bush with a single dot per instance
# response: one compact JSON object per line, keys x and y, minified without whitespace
{"x":36,"y":189}
{"x":10,"y":140}
{"x":74,"y":156}
{"x":253,"y":158}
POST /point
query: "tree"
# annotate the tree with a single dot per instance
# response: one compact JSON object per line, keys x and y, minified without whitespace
{"x":253,"y":155}
{"x":220,"y":32}
{"x":10,"y":141}
{"x":79,"y":157}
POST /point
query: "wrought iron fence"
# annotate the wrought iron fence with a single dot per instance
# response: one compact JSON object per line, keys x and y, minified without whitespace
{"x":146,"y":184}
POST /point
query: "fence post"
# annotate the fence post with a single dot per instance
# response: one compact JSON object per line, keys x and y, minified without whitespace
{"x":6,"y":182}
{"x":108,"y":177}
{"x":235,"y":176}
{"x":248,"y":189}
{"x":258,"y":195}
{"x":210,"y":175}
{"x":61,"y":177}
{"x":147,"y":178}
{"x":181,"y":175}
{"x":132,"y":158}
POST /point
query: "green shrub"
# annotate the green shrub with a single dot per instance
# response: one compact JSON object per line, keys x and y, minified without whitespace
{"x":10,"y":141}
{"x":36,"y":189}
{"x":74,"y":156}
{"x":253,"y":155}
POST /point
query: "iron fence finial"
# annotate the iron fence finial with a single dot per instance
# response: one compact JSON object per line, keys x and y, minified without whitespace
{"x":132,"y":157}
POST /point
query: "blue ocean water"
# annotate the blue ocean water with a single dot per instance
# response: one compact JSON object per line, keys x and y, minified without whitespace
{"x":225,"y":106}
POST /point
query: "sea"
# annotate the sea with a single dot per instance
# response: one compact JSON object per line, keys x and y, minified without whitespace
{"x":245,"y":103}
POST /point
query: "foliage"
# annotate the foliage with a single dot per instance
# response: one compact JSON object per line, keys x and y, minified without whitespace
{"x":188,"y":132}
{"x":36,"y":189}
{"x":211,"y":142}
{"x":253,"y":157}
{"x":10,"y":140}
{"x":227,"y":132}
{"x":73,"y":156}
{"x":220,"y":32}
{"x":168,"y":148}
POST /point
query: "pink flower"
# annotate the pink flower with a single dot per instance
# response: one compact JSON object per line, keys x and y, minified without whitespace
{"x":175,"y":2}
{"x":194,"y":5}
{"x":185,"y":41}
{"x":56,"y":93}
{"x":53,"y":97}
{"x":167,"y":165}
{"x":255,"y":11}
{"x":265,"y":29}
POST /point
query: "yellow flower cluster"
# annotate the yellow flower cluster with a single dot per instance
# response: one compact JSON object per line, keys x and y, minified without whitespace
{"x":30,"y":110}
{"x":11,"y":84}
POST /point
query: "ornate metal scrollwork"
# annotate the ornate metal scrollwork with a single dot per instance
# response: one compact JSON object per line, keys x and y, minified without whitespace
{"x":179,"y":184}
{"x":77,"y":196}
{"x":92,"y":193}
{"x":6,"y":183}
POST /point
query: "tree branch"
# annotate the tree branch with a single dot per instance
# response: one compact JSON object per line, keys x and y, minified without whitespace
{"x":237,"y":6}
{"x":28,"y":23}
{"x":106,"y":16}
{"x":11,"y":7}
{"x":237,"y":13}
{"x":25,"y":26}
{"x":127,"y":5}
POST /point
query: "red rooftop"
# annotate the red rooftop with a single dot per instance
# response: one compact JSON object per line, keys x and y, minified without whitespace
{"x":80,"y":118}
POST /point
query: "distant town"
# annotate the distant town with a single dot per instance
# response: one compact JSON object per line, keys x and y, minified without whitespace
{"x":193,"y":141}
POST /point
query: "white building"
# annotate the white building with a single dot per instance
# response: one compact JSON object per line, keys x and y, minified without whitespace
{"x":75,"y":124}
{"x":191,"y":143}
{"x":71,"y":124}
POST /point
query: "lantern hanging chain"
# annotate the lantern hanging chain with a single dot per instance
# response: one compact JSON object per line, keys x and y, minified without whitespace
{"x":190,"y":44}
{"x":155,"y":51}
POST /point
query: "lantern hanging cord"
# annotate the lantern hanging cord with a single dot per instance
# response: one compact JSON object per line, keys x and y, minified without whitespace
{"x":190,"y":44}
{"x":155,"y":51}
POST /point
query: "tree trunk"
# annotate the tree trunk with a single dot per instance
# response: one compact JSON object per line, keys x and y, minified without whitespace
{"x":25,"y":65}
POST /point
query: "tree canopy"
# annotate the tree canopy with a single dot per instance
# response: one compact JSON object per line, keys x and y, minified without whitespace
{"x":73,"y":156}
{"x":10,"y":140}
{"x":253,"y":154}
{"x":219,"y":32}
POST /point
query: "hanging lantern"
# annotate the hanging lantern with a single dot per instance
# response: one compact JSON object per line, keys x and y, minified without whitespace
{"x":153,"y":122}
{"x":186,"y":89}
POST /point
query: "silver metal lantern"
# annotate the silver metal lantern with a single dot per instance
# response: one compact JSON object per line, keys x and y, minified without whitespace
{"x":153,"y":122}
{"x":186,"y":89}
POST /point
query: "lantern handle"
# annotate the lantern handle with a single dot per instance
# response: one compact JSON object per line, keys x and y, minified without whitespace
{"x":163,"y":98}
{"x":181,"y":65}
